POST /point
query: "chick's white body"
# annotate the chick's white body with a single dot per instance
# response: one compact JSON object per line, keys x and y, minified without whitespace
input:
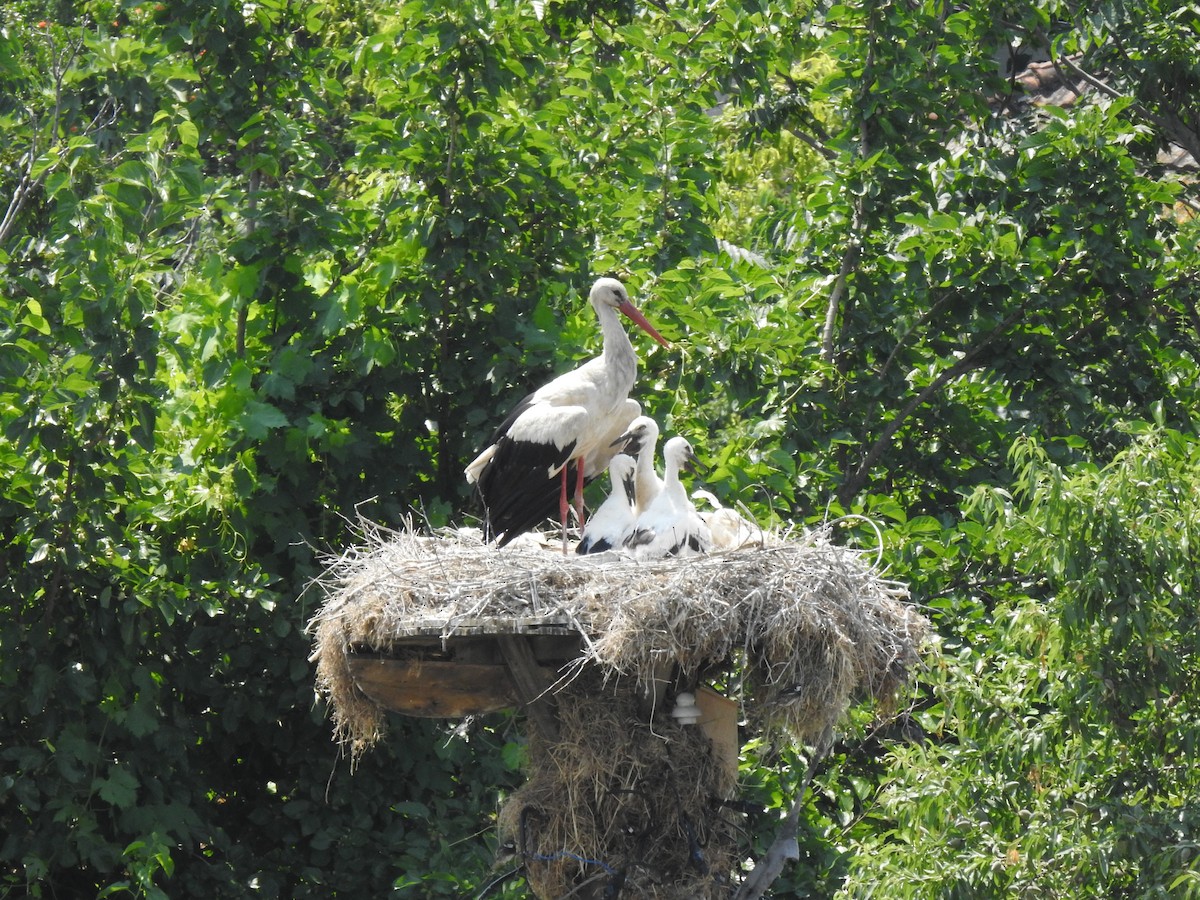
{"x":670,"y":525}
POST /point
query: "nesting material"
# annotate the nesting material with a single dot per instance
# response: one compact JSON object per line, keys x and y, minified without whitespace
{"x":617,"y":802}
{"x":622,"y":796}
{"x":812,"y":624}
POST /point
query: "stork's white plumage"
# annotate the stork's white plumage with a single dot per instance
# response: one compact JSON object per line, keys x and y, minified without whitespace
{"x":670,"y":526}
{"x":640,"y":439}
{"x":598,"y":460}
{"x":730,"y":531}
{"x":608,"y":525}
{"x":542,"y":451}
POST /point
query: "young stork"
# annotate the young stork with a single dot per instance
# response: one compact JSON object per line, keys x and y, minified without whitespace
{"x":560,"y":434}
{"x":730,"y":531}
{"x":608,"y":525}
{"x":641,"y":440}
{"x":670,"y":526}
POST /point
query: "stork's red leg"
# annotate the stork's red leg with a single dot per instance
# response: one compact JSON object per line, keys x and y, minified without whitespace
{"x":579,"y":493}
{"x":563,"y":507}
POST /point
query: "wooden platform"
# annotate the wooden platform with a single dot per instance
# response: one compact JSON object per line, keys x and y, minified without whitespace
{"x":450,"y":669}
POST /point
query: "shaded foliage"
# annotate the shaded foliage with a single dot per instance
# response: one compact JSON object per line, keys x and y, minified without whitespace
{"x":268,"y":265}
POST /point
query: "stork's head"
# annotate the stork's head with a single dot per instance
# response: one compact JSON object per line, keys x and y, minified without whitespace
{"x":608,"y":293}
{"x":680,"y":452}
{"x":642,"y":433}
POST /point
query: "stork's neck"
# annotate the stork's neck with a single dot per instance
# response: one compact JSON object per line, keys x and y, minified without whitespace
{"x":671,"y":483}
{"x":645,"y":460}
{"x":619,"y":355}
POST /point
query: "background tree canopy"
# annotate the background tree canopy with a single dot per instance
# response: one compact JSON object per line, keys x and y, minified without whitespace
{"x":267,"y":266}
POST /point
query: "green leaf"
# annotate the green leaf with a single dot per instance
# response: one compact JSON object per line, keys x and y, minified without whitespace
{"x":189,"y":134}
{"x":119,"y":788}
{"x":259,"y":418}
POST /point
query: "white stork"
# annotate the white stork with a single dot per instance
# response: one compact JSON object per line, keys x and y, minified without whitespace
{"x":640,"y":439}
{"x":730,"y":531}
{"x":670,"y":526}
{"x":562,"y":431}
{"x":608,"y":525}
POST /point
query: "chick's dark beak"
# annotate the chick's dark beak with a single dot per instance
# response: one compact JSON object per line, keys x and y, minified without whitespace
{"x":629,"y":443}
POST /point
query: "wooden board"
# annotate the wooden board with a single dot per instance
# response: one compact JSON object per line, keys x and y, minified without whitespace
{"x":547,"y":648}
{"x":719,"y":719}
{"x":433,"y":689}
{"x":438,"y":668}
{"x":436,"y":626}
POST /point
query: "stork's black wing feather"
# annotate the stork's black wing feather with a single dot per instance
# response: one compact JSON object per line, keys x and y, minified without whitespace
{"x":639,"y":537}
{"x":516,"y":488}
{"x":599,"y":545}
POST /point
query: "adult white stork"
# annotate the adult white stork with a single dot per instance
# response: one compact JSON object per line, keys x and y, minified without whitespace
{"x":560,"y":434}
{"x":608,"y":525}
{"x":640,"y":439}
{"x":670,"y":526}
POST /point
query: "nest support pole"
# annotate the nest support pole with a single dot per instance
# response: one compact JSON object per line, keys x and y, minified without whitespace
{"x":529,"y":682}
{"x":618,"y":805}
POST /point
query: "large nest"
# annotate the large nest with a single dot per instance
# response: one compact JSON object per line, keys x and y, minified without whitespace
{"x":813,"y":625}
{"x":620,"y":796}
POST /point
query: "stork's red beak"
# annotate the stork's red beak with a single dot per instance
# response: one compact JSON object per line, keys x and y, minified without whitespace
{"x":632,"y":312}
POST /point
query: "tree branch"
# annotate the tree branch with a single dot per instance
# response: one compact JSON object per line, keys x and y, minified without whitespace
{"x":784,"y":846}
{"x":925,"y":317}
{"x":849,"y":258}
{"x":60,"y":63}
{"x":1171,"y":126}
{"x":811,"y":141}
{"x":858,"y":479}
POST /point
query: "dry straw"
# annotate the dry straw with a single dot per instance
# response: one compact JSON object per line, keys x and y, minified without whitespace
{"x":797,"y":627}
{"x":613,"y":800}
{"x":813,"y":624}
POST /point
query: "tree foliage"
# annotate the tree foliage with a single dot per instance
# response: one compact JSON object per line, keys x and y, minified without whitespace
{"x":268,"y":266}
{"x":1063,"y":714}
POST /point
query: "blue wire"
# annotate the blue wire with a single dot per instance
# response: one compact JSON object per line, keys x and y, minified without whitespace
{"x":566,"y":854}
